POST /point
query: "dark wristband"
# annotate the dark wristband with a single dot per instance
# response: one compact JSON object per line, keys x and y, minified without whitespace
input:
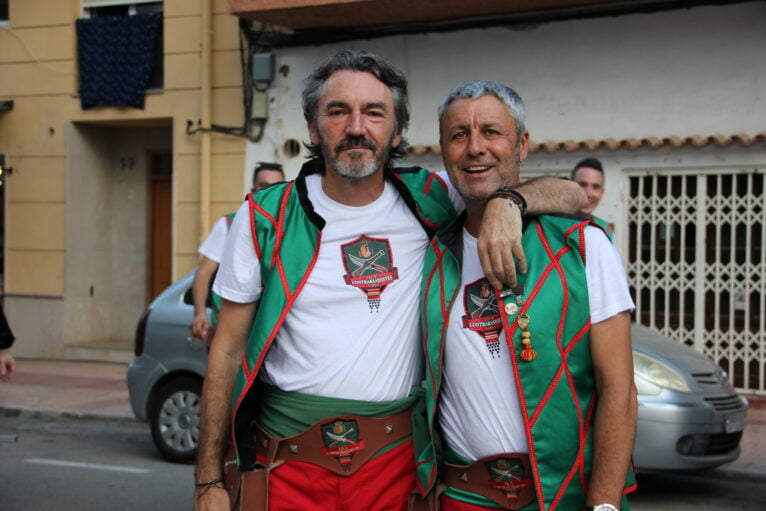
{"x":512,"y":195}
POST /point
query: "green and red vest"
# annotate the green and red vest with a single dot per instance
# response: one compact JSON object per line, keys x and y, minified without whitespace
{"x":605,"y":226}
{"x":557,"y":388}
{"x":287,"y":233}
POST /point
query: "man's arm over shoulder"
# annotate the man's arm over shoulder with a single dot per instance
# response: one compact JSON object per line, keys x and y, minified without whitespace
{"x":552,"y":195}
{"x":500,"y":236}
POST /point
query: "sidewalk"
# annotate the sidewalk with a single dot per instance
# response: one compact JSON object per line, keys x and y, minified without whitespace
{"x":54,"y":389}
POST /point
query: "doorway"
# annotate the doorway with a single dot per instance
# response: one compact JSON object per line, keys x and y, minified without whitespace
{"x":160,"y":221}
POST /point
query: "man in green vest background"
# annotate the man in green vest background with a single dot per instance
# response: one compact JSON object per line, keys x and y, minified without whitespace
{"x":317,"y":360}
{"x":589,"y":174}
{"x":211,"y":250}
{"x":530,"y":388}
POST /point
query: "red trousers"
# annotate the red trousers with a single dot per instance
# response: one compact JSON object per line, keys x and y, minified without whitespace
{"x":382,"y":484}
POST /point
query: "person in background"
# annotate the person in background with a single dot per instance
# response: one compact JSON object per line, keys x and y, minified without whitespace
{"x":589,"y":174}
{"x":211,"y":250}
{"x":7,"y":363}
{"x":266,"y":174}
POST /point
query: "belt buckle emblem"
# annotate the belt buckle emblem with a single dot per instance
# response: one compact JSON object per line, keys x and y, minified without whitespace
{"x":508,"y":476}
{"x":341,"y":440}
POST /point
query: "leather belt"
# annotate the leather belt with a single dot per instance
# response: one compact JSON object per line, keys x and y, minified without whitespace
{"x":340,"y":444}
{"x":505,"y":479}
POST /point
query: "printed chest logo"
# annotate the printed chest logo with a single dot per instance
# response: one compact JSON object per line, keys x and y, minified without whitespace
{"x":482,"y":314}
{"x":369,"y":266}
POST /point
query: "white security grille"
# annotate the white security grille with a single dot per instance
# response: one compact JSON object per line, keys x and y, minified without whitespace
{"x":697,"y":264}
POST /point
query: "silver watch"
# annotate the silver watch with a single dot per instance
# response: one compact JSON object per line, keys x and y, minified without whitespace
{"x":604,"y":507}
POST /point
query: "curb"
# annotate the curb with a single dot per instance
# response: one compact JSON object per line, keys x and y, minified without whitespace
{"x":732,"y":473}
{"x":59,"y":414}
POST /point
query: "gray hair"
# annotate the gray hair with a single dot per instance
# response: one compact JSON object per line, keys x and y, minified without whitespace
{"x":362,"y":61}
{"x":480,"y":88}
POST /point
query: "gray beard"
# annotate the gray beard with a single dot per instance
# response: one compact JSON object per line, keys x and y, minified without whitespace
{"x":356,"y":168}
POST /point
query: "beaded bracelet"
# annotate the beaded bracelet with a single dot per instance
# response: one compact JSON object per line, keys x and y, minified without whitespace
{"x":513,"y":196}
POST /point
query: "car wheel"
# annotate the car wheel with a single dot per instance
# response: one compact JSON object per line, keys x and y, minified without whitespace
{"x":175,"y":419}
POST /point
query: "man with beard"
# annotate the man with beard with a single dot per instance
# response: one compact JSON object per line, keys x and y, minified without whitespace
{"x":318,"y":341}
{"x":534,"y":383}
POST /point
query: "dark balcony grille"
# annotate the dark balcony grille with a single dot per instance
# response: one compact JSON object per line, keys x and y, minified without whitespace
{"x":725,"y":403}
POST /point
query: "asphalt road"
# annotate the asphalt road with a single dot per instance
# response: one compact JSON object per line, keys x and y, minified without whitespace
{"x":70,"y":465}
{"x":76,"y":465}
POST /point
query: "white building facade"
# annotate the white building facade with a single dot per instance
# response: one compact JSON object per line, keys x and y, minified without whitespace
{"x":674,"y":105}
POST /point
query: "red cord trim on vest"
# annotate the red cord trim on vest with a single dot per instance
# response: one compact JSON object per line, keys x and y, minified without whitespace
{"x":434,"y":177}
{"x":255,"y":207}
{"x":522,"y":403}
{"x":279,"y":227}
{"x":427,"y":290}
{"x":581,"y":452}
{"x":256,"y":367}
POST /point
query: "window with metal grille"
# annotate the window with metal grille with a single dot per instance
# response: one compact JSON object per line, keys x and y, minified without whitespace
{"x":697,"y":264}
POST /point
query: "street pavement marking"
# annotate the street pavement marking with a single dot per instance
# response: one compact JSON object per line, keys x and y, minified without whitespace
{"x":77,"y":464}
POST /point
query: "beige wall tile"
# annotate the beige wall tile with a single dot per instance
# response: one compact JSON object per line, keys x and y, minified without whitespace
{"x":187,"y":227}
{"x":35,"y":272}
{"x":23,"y":13}
{"x":181,"y":8}
{"x":187,"y":178}
{"x":223,"y":143}
{"x":36,"y":179}
{"x":182,"y":71}
{"x":228,"y":177}
{"x":227,"y":69}
{"x":34,"y":226}
{"x":28,"y":79}
{"x":228,"y":109}
{"x":225,"y":32}
{"x":37,"y":44}
{"x":182,"y":35}
{"x":221,"y":7}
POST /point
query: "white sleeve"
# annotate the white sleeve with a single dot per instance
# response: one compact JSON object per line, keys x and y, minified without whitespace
{"x":212,"y":247}
{"x":239,"y":275}
{"x":457,"y":200}
{"x":608,"y":291}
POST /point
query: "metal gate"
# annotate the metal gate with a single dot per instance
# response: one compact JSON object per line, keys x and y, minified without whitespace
{"x":697,"y":264}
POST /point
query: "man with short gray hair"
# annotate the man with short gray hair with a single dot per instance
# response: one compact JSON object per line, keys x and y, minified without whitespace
{"x":533,"y":384}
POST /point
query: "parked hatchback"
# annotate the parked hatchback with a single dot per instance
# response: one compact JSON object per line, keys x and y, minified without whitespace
{"x":689,"y":416}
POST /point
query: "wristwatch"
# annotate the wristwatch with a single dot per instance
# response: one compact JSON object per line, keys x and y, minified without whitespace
{"x":602,"y":507}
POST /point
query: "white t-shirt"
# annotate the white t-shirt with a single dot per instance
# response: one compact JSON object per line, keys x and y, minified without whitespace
{"x":213,"y":246}
{"x":354,"y":330}
{"x":479,"y":409}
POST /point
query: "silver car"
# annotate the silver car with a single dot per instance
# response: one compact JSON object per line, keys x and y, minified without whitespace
{"x":689,"y":416}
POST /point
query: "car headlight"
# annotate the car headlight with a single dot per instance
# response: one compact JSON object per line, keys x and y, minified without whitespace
{"x":650,"y":371}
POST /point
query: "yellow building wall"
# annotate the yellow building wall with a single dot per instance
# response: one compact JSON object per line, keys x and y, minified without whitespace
{"x":38,"y":71}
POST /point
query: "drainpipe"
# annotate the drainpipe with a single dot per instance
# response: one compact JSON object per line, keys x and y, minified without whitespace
{"x":205,"y":116}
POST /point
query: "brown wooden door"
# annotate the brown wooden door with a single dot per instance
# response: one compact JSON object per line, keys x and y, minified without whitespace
{"x":160,"y":223}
